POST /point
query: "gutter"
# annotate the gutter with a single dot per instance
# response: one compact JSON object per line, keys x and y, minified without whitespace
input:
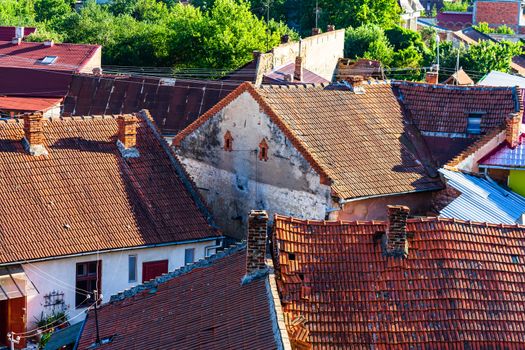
{"x":500,"y":167}
{"x":112,"y":250}
{"x":345,"y":201}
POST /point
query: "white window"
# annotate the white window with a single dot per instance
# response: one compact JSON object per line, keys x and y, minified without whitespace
{"x":48,"y":59}
{"x":132,"y":268}
{"x":189,"y":256}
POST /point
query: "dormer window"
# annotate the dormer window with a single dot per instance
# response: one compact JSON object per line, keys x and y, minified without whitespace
{"x":263,"y":150}
{"x":48,"y":59}
{"x":474,"y":123}
{"x":228,"y":141}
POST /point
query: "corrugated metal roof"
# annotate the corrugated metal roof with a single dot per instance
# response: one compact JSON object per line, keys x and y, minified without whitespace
{"x":496,"y":78}
{"x":482,"y":200}
{"x":505,"y":156}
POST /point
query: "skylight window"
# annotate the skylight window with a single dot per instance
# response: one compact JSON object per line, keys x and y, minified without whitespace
{"x":48,"y":59}
{"x":474,"y":123}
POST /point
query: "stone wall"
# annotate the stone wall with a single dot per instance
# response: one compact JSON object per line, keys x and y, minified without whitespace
{"x":237,"y":181}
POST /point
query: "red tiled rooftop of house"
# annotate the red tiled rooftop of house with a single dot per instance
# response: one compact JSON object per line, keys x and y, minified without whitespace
{"x":204,"y":308}
{"x":67,"y":57}
{"x":446,"y":108}
{"x":37,"y":104}
{"x":462,"y":285}
{"x":84,"y":196}
{"x":7,"y":33}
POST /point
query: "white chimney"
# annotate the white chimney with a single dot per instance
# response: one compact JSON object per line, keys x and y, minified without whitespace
{"x":16,"y":41}
{"x":19,"y":32}
{"x":49,"y":43}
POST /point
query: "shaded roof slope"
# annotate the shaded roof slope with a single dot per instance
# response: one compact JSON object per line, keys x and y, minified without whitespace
{"x":174,"y":103}
{"x":482,"y":200}
{"x":358,"y":139}
{"x":461,"y":287}
{"x":445,"y":108}
{"x":199,"y":307}
{"x":84,"y":196}
{"x":69,"y":57}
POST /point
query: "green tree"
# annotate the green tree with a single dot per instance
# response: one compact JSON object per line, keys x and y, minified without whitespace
{"x":457,"y":6}
{"x":483,"y":27}
{"x":51,"y":10}
{"x":17,"y":12}
{"x":358,"y":40}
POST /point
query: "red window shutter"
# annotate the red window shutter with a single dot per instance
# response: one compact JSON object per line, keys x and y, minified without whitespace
{"x":152,"y":269}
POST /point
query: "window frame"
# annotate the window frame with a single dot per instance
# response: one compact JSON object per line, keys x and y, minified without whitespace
{"x":192,"y":255}
{"x":474,"y":116}
{"x":81,"y":301}
{"x":263,"y":150}
{"x":52,"y":59}
{"x":135,"y":272}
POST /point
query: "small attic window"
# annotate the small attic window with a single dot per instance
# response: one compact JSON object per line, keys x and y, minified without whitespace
{"x":228,"y":141}
{"x":48,"y":59}
{"x":263,"y":150}
{"x":474,"y":123}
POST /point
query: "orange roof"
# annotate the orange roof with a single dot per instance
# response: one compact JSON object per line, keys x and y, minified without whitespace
{"x":28,"y":104}
{"x":356,"y":140}
{"x":84,"y":196}
{"x":462,"y":285}
{"x":203,"y":306}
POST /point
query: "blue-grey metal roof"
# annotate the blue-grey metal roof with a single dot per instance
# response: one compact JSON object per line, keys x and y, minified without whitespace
{"x":496,"y":78}
{"x":482,"y":200}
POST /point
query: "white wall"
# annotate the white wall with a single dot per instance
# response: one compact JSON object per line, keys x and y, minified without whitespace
{"x":60,"y":274}
{"x":233,"y":183}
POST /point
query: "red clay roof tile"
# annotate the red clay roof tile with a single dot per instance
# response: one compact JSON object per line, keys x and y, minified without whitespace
{"x":205,"y":308}
{"x":84,"y":196}
{"x":461,"y":287}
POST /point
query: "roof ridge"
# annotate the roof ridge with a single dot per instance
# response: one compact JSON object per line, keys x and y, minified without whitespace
{"x":452,"y":87}
{"x":154,"y":283}
{"x":384,"y":222}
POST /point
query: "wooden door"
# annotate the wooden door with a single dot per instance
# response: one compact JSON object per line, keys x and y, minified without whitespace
{"x":3,"y":322}
{"x":16,"y":318}
{"x":152,"y":269}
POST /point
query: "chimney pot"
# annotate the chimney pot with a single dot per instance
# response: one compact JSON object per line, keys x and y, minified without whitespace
{"x":432,"y":77}
{"x":285,"y":39}
{"x":316,"y":31}
{"x":298,"y":72}
{"x":49,"y":43}
{"x":127,"y":135}
{"x":513,"y":129}
{"x":330,"y":28}
{"x":256,"y":242}
{"x":395,"y":242}
{"x":34,"y":134}
{"x":256,"y":54}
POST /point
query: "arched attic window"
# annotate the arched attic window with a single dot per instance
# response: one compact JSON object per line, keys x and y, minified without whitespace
{"x":228,"y":141}
{"x":263,"y":150}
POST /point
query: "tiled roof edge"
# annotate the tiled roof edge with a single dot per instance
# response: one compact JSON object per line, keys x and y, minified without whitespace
{"x":280,"y":332}
{"x":452,"y":87}
{"x":383,"y":223}
{"x":179,"y":169}
{"x":152,"y":284}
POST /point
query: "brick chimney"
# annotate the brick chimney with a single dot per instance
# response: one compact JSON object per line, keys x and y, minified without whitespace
{"x":513,"y":130}
{"x":127,"y":135}
{"x":432,"y":77}
{"x":316,"y":31}
{"x":395,"y":241}
{"x":256,"y":243}
{"x":330,"y":28}
{"x":34,"y":134}
{"x":298,"y":72}
{"x":285,"y":39}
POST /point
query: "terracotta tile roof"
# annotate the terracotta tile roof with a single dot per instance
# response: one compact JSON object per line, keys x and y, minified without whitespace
{"x":278,"y":76}
{"x":174,"y":106}
{"x":199,"y":307}
{"x":359,"y":140}
{"x":84,"y":196}
{"x":35,"y":104}
{"x":461,"y":287}
{"x":505,"y":156}
{"x":70,"y":57}
{"x":7,"y":33}
{"x":445,"y":108}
